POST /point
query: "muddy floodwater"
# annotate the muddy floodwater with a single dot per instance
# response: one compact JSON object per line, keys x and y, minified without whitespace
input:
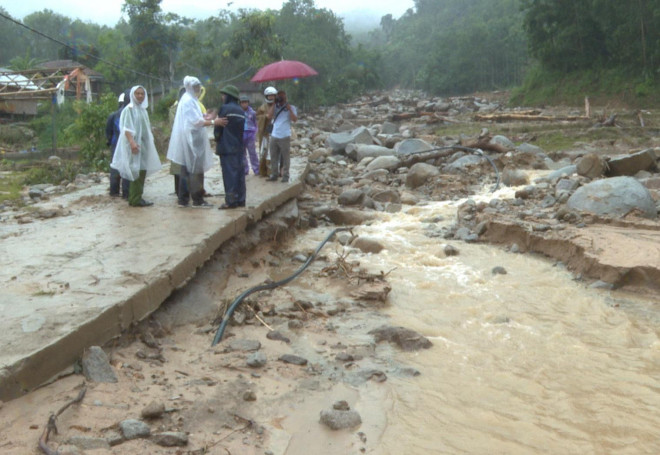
{"x":527,"y":361}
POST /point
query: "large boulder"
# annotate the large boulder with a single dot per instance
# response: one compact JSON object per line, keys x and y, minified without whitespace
{"x":338,"y":141}
{"x":384,"y":162}
{"x":615,"y":196}
{"x":632,"y":164}
{"x":591,"y":166}
{"x":419,"y":173}
{"x":358,"y":152}
{"x":410,"y":146}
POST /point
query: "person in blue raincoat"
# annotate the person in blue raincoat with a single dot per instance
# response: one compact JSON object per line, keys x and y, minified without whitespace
{"x":230,"y":148}
{"x":112,"y":135}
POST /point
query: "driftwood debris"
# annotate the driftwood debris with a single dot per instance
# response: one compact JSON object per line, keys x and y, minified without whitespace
{"x":434,"y":117}
{"x":518,"y":117}
{"x":609,"y":121}
{"x":422,"y":157}
{"x":52,"y":427}
{"x":484,"y":143}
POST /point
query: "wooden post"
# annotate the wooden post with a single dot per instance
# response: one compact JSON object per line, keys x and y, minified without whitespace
{"x":587,"y":107}
{"x":52,"y":112}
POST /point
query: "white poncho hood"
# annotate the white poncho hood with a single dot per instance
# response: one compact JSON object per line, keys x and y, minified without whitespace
{"x":189,"y":142}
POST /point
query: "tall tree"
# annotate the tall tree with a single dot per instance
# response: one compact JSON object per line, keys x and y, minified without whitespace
{"x":149,"y":39}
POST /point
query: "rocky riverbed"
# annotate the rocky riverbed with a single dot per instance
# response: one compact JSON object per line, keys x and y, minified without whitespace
{"x":292,"y":371}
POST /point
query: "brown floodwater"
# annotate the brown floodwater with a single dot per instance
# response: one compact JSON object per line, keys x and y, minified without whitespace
{"x":527,"y":362}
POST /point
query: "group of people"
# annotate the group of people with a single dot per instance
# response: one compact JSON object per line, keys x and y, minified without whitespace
{"x":236,"y":128}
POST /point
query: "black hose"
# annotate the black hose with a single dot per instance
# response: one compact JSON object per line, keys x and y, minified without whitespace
{"x":469,"y":150}
{"x":263,"y":287}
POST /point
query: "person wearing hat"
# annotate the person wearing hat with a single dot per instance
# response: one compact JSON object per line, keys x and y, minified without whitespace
{"x":249,"y":136}
{"x":112,"y":135}
{"x":230,"y":148}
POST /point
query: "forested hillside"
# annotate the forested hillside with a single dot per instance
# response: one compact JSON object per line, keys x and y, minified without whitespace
{"x":548,"y":50}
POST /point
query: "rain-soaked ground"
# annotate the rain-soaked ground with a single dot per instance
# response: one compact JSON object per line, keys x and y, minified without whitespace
{"x":525,"y":357}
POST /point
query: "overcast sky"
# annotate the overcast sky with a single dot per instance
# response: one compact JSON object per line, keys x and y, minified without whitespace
{"x":108,"y":12}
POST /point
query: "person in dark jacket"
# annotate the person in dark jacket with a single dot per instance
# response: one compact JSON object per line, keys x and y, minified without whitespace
{"x":230,"y":148}
{"x":112,"y":135}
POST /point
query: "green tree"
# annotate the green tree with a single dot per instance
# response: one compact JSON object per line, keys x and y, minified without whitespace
{"x":51,"y":24}
{"x":88,"y":131}
{"x":148,"y":39}
{"x":254,"y":38}
{"x":13,"y":39}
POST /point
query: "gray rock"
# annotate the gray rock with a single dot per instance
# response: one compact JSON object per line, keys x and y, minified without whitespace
{"x":591,"y":166}
{"x":406,"y":339}
{"x":35,"y":193}
{"x":170,"y":439}
{"x":133,"y":429}
{"x":293,"y":359}
{"x":614,"y":196}
{"x":632,"y":164}
{"x":377,"y":175}
{"x":344,"y":216}
{"x":276,"y":335}
{"x":566,"y":186}
{"x":338,"y":420}
{"x":153,"y":410}
{"x":464,"y":163}
{"x":367,"y":245}
{"x":337,"y":142}
{"x":451,"y":250}
{"x":529,"y":148}
{"x":410,"y":146}
{"x":351,"y":196}
{"x":113,"y":438}
{"x":419,"y":174}
{"x":96,"y":366}
{"x":256,"y":360}
{"x":566,"y":171}
{"x":390,"y":163}
{"x":498,"y":270}
{"x":387,"y":195}
{"x":244,"y":345}
{"x":389,"y":128}
{"x":503,"y":141}
{"x":514,"y":177}
{"x":601,"y":285}
{"x":362,"y":151}
{"x":465,"y":234}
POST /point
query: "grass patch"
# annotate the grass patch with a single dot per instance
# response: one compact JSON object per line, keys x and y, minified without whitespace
{"x":11,"y":184}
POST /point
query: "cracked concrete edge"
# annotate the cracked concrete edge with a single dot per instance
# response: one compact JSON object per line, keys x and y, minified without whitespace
{"x":44,"y":364}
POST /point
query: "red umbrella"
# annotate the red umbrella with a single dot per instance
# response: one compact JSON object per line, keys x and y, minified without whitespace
{"x":284,"y":69}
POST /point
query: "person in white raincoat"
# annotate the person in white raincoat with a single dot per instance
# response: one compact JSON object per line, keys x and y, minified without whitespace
{"x":136,"y":154}
{"x":190,"y":146}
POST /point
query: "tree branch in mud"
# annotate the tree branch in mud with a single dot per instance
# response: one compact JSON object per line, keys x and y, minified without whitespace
{"x":484,"y":143}
{"x":434,"y":117}
{"x":421,"y":157}
{"x":51,"y":426}
{"x":518,"y":117}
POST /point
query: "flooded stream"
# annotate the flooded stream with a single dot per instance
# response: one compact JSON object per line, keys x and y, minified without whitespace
{"x":530,"y":361}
